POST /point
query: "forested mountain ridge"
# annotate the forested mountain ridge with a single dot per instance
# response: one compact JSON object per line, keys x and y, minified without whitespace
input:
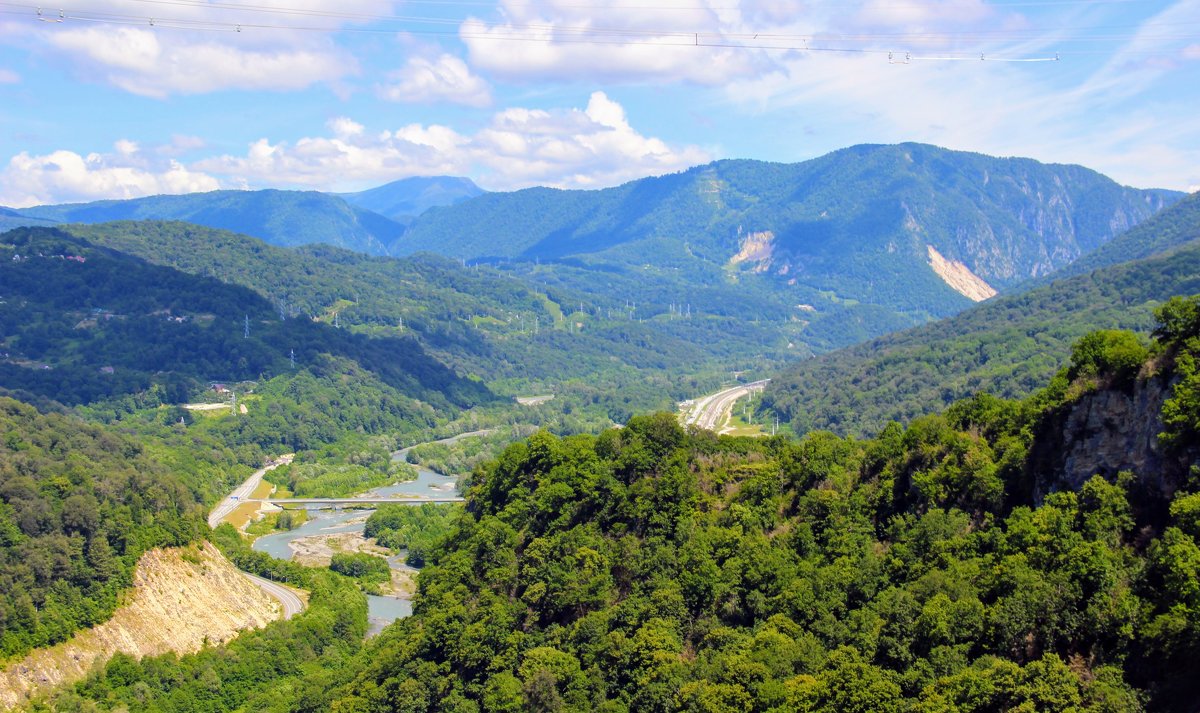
{"x":828,"y":252}
{"x":84,"y":323}
{"x":279,"y":217}
{"x":407,"y":198}
{"x":79,"y":505}
{"x":1007,"y":346}
{"x":480,"y":321}
{"x":859,"y":223}
{"x":941,"y":567}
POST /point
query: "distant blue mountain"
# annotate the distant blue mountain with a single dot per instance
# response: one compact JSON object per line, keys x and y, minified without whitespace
{"x":10,"y":219}
{"x":286,"y":218}
{"x":407,"y":198}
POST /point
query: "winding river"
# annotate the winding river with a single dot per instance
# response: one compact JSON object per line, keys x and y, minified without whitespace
{"x":381,"y":611}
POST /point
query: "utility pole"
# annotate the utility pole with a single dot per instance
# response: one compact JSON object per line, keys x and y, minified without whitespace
{"x":246,"y":327}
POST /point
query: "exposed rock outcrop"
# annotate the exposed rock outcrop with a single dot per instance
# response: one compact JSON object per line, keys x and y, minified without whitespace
{"x":1107,"y":431}
{"x":182,"y":599}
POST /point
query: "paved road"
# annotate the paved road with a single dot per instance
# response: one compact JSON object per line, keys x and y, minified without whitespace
{"x":292,"y":603}
{"x":712,"y":411}
{"x":402,"y":454}
{"x":242,"y":493}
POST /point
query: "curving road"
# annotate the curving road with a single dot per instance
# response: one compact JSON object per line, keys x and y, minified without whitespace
{"x":292,"y":603}
{"x":712,"y":411}
{"x":243,"y":492}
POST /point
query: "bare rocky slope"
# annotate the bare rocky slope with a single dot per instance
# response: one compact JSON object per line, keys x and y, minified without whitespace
{"x":183,"y":598}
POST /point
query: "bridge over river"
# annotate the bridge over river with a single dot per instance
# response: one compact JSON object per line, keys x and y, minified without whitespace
{"x":311,"y":503}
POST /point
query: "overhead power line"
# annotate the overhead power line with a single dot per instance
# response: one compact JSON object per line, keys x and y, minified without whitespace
{"x":855,"y":43}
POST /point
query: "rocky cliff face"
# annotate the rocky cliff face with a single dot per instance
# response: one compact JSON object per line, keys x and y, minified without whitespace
{"x":1108,"y":431}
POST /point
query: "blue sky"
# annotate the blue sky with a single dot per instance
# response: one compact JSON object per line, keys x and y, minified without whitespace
{"x":123,"y":98}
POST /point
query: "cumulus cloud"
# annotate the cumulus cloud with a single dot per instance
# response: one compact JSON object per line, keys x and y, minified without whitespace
{"x":65,"y":176}
{"x":429,"y":81}
{"x":569,"y":148}
{"x":145,"y":62}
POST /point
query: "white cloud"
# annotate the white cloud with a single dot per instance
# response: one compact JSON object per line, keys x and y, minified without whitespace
{"x":65,"y":176}
{"x":707,"y":42}
{"x":571,"y":42}
{"x":445,"y":79}
{"x":1128,"y":116}
{"x":569,"y":148}
{"x":7,"y":76}
{"x":159,"y":63}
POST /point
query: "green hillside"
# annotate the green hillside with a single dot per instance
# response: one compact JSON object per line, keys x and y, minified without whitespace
{"x":1007,"y":346}
{"x":407,"y":198}
{"x":79,"y":505}
{"x":850,"y":228}
{"x":279,"y":217}
{"x":942,"y":567}
{"x":10,"y":219}
{"x":84,"y":323}
{"x":520,"y":338}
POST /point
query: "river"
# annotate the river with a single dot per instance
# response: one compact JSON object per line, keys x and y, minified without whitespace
{"x":381,"y":611}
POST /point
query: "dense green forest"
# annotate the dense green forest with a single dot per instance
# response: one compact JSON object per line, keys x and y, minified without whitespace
{"x":83,"y":323}
{"x":282,"y":667}
{"x":281,"y":217}
{"x":414,"y":529}
{"x":1008,"y":346}
{"x":938,"y":567}
{"x":604,"y":356}
{"x":78,"y":507}
{"x":849,"y":230}
{"x":651,"y":569}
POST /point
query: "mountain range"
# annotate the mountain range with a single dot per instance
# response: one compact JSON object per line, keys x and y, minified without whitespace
{"x":838,"y":249}
{"x":1008,"y":346}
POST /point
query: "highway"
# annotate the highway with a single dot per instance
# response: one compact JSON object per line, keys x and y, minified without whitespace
{"x":292,"y":603}
{"x":243,"y":492}
{"x":712,"y":412}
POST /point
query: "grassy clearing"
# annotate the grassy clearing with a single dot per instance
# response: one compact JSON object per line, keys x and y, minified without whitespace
{"x":245,"y":513}
{"x":740,"y":427}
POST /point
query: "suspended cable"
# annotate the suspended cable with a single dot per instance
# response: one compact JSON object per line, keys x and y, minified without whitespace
{"x":559,"y":34}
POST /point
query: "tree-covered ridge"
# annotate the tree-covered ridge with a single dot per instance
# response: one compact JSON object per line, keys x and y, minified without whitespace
{"x":407,"y":198}
{"x":1008,"y":346}
{"x":652,"y":569}
{"x":597,"y":351}
{"x":83,"y":323}
{"x":279,"y":217}
{"x":855,"y":223}
{"x":78,"y":507}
